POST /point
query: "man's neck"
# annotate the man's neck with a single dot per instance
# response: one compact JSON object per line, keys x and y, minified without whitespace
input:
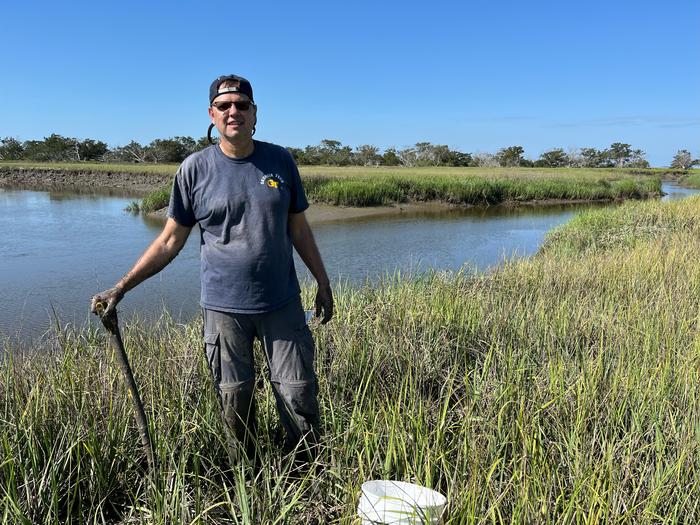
{"x":235,"y":150}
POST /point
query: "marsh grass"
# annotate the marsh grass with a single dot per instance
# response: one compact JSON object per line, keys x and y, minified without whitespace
{"x":156,"y":200}
{"x":133,"y":207}
{"x":94,"y":167}
{"x":562,"y":389}
{"x":380,"y":186}
{"x":354,"y":187}
{"x":692,"y":179}
{"x":624,"y":226}
{"x":461,"y":189}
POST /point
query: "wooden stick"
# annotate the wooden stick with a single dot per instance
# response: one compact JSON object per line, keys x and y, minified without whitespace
{"x":111,"y":323}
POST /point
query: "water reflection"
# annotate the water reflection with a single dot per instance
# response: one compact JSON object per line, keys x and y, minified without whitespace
{"x":675,"y":192}
{"x":475,"y":238}
{"x":64,"y":195}
{"x":64,"y":191}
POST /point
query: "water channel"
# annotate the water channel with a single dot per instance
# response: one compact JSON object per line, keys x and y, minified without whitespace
{"x":58,"y":249}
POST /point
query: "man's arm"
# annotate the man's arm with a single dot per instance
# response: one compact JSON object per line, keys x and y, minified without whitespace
{"x":156,"y":257}
{"x":305,"y":245}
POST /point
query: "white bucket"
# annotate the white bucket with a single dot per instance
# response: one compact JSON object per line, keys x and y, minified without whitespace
{"x":399,"y":503}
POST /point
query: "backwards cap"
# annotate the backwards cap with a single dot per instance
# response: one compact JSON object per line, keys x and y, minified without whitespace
{"x":238,"y":85}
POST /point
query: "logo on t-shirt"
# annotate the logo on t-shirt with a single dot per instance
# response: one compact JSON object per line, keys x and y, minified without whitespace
{"x":272,"y":180}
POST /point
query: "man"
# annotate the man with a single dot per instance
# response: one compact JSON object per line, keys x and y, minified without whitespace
{"x":246,"y":196}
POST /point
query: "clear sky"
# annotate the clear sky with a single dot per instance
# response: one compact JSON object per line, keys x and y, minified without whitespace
{"x":475,"y":75}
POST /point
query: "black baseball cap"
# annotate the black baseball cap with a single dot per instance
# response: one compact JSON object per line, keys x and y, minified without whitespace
{"x":242,"y":86}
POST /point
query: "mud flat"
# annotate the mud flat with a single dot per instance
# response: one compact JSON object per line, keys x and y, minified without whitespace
{"x":320,"y":213}
{"x":111,"y":182}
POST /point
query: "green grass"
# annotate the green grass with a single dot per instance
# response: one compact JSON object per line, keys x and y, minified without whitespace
{"x":156,"y":200}
{"x":692,"y":180}
{"x":625,"y":226}
{"x":133,"y":207}
{"x":473,"y":186}
{"x":355,"y":186}
{"x":561,"y":389}
{"x":461,"y":189}
{"x":350,"y":187}
{"x":98,"y":167}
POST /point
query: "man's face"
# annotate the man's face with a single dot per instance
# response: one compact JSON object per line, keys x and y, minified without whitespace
{"x":233,"y":123}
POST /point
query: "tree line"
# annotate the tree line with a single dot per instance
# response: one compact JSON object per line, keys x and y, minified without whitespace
{"x":57,"y":148}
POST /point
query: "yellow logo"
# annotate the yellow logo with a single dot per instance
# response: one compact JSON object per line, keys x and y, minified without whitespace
{"x":272,"y":180}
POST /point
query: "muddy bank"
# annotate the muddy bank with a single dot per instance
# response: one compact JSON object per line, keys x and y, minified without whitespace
{"x":107,"y":182}
{"x":319,"y":213}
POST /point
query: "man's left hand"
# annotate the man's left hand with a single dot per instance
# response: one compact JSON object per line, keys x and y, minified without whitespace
{"x":324,"y":303}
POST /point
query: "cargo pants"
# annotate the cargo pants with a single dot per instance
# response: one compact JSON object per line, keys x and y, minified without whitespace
{"x":289,"y":351}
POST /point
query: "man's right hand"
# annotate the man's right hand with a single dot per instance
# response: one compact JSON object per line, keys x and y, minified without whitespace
{"x":109,"y":298}
{"x":324,"y":303}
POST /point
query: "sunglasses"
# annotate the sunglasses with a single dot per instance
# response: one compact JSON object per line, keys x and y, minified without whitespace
{"x":225,"y":106}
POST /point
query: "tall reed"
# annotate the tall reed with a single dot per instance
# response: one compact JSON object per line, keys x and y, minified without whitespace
{"x":560,"y":389}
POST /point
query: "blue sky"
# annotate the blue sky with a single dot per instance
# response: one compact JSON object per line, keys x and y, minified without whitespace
{"x":474,"y":75}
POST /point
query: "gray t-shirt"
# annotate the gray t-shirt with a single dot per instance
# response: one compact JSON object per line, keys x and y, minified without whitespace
{"x":242,"y":207}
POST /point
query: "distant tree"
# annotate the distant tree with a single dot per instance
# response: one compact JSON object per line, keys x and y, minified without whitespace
{"x":593,"y":158}
{"x":440,"y":154}
{"x":11,"y":149}
{"x":344,"y":157}
{"x":426,"y":154}
{"x":203,"y":142}
{"x":589,"y":157}
{"x":683,"y":160}
{"x":458,"y":159}
{"x":155,"y":151}
{"x":555,"y":158}
{"x":574,"y":157}
{"x":485,"y":160}
{"x":174,"y":149}
{"x":431,"y":154}
{"x":312,"y":155}
{"x":620,"y":154}
{"x":331,"y":152}
{"x":391,"y":157}
{"x":297,"y":154}
{"x":54,"y":148}
{"x":510,"y":157}
{"x":408,"y":157}
{"x":132,"y":152}
{"x":367,"y":155}
{"x":89,"y":149}
{"x":637,"y":160}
